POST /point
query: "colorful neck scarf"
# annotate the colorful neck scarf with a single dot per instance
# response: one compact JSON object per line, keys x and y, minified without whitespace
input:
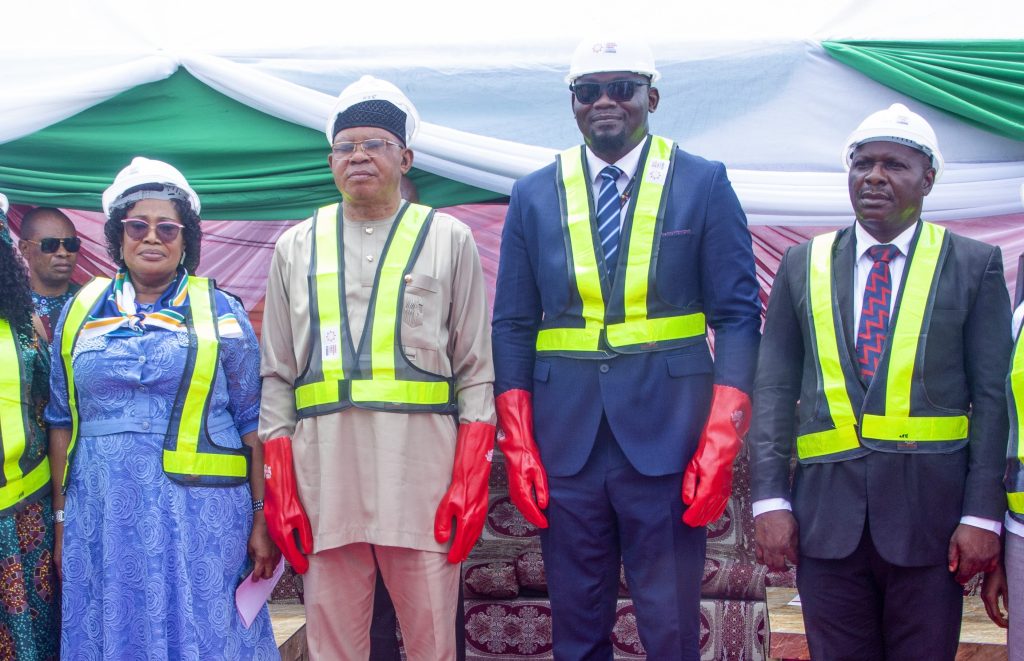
{"x":119,"y":315}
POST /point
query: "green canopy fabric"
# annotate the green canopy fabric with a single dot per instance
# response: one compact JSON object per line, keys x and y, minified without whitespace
{"x":981,"y":81}
{"x":243,"y":163}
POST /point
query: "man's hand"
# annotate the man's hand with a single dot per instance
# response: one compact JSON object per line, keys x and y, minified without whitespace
{"x":465,"y":502}
{"x":992,"y":590}
{"x":776,"y":539}
{"x":707,"y":482}
{"x":527,"y":481}
{"x":972,"y":550}
{"x":287,"y":522}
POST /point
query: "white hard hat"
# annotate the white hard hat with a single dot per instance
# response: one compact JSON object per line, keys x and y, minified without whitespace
{"x":365,"y":91}
{"x":899,"y":124}
{"x":601,"y":55}
{"x":148,"y":171}
{"x":4,"y":205}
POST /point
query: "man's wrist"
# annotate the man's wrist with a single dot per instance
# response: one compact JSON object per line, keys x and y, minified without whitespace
{"x":770,"y":505}
{"x":983,"y":523}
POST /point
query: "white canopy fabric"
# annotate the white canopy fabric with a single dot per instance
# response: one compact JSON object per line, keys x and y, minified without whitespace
{"x":746,"y":83}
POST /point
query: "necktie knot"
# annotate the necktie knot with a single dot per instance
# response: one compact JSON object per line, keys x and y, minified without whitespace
{"x":884,"y":252}
{"x":611,"y":174}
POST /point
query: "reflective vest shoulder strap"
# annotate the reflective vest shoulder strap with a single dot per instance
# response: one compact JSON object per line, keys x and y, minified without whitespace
{"x":82,"y":304}
{"x":575,"y":196}
{"x":182,"y":456}
{"x":826,"y":337}
{"x":326,"y":273}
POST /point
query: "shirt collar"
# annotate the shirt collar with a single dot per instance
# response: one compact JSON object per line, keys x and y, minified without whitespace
{"x":627,"y":163}
{"x":865,"y":240}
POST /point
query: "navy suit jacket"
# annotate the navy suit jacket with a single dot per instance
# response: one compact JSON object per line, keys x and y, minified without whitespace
{"x":912,"y":502}
{"x":657,"y":402}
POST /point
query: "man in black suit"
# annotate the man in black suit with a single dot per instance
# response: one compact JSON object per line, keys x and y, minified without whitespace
{"x":884,"y":355}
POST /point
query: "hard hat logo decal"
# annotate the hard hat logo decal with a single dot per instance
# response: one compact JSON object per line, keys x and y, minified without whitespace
{"x":607,"y":47}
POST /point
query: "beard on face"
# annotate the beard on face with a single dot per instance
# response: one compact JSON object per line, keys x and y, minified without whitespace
{"x":608,"y":143}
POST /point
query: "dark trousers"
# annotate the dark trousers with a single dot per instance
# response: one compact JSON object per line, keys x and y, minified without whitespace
{"x":609,"y":511}
{"x":862,"y":608}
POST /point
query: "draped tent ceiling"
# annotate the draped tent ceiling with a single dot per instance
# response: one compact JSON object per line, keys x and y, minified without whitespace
{"x":237,"y":99}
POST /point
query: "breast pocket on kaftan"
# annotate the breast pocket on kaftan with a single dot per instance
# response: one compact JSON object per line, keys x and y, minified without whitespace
{"x":423,"y":312}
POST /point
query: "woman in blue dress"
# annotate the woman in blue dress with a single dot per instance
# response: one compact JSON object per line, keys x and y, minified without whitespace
{"x":156,"y":427}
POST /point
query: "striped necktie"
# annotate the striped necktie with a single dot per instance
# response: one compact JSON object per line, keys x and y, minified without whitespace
{"x":609,"y":216}
{"x":874,"y":316}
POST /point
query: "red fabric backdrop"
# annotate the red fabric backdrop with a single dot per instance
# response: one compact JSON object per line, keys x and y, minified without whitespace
{"x":237,"y":253}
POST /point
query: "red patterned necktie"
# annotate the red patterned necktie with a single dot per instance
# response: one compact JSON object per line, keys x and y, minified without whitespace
{"x":874,"y":316}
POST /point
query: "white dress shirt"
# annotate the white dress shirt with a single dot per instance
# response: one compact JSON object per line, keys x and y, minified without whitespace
{"x":627,"y":164}
{"x":861,"y":269}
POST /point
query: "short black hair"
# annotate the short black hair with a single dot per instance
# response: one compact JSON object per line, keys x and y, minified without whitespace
{"x":113,"y":230}
{"x":33,"y":216}
{"x":16,"y":303}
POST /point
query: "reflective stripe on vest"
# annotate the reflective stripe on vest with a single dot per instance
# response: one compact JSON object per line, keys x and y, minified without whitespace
{"x":19,"y":481}
{"x":186,"y":457}
{"x":1014,"y":479}
{"x":636,"y":331}
{"x":375,"y":379}
{"x":821,"y":294}
{"x":903,"y":351}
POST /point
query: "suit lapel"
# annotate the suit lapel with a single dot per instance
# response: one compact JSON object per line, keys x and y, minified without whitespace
{"x":843,"y":274}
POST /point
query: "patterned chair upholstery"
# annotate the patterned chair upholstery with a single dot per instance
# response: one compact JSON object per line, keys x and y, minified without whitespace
{"x":508,"y":615}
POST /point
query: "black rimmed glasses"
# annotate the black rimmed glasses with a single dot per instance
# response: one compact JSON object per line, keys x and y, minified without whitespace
{"x":137,"y":230}
{"x":51,"y":244}
{"x":371,"y":147}
{"x":617,"y":90}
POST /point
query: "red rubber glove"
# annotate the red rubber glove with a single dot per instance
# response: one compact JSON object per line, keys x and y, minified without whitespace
{"x":707,"y":482}
{"x":466,"y":499}
{"x":282,"y":509}
{"x":526,"y":475}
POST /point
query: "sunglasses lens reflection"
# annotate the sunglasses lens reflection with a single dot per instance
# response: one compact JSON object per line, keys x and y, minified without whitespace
{"x":52,"y":245}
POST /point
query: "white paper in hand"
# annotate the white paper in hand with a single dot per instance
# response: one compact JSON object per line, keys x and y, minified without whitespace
{"x":251,"y":595}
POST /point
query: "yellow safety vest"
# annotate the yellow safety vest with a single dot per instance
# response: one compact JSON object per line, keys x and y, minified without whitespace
{"x":22,"y":477}
{"x":886,"y":416}
{"x":627,"y":324}
{"x":1014,"y":479}
{"x":189,"y":456}
{"x":377,"y":376}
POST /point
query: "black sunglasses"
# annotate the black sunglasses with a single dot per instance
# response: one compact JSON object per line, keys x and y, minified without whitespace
{"x":617,"y":90}
{"x":51,"y":245}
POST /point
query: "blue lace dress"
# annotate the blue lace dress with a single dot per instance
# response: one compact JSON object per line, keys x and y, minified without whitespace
{"x":151,"y":566}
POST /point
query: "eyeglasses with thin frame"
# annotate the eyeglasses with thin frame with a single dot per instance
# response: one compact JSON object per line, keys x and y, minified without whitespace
{"x":137,"y":229}
{"x":51,"y":244}
{"x":372,"y":147}
{"x":617,"y":90}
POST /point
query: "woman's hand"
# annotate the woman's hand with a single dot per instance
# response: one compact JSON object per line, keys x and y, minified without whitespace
{"x":264,"y":553}
{"x":58,"y":548}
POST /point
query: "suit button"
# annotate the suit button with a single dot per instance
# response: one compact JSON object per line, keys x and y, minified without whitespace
{"x":604,"y":369}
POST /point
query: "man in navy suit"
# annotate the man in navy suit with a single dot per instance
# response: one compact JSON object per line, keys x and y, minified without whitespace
{"x":885,"y":351}
{"x":613,"y":415}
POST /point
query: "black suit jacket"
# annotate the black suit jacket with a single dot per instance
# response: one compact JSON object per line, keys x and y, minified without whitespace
{"x":912,"y":502}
